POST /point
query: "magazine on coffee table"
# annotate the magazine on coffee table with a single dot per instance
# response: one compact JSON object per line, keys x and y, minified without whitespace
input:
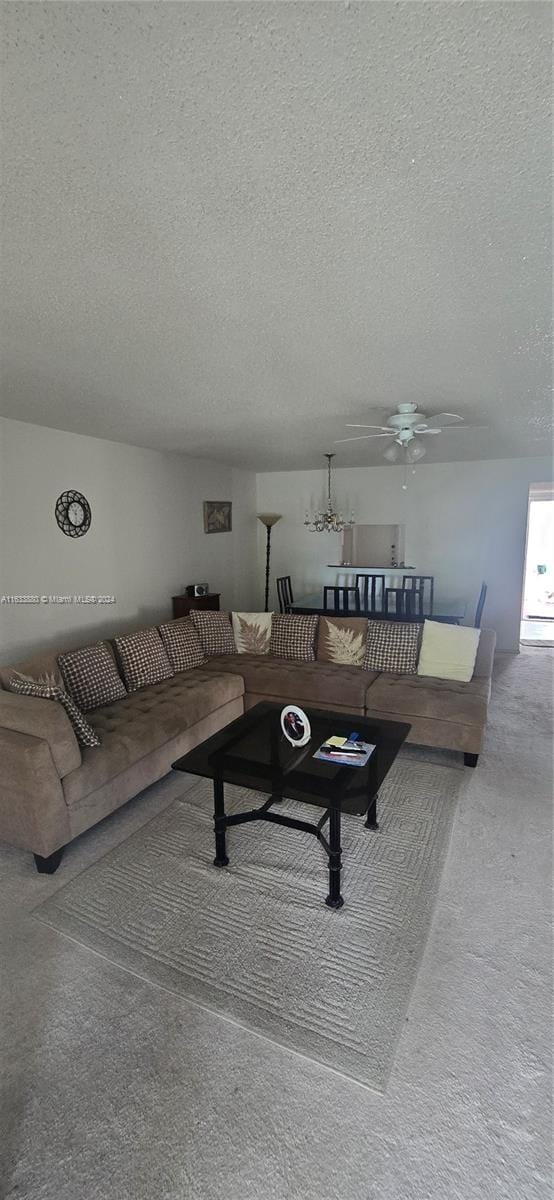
{"x":345,"y":751}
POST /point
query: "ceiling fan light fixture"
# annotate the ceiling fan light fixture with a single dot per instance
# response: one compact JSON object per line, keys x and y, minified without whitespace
{"x":408,"y":426}
{"x":415,"y":451}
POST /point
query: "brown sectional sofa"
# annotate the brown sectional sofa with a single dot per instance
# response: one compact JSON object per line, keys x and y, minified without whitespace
{"x":52,"y":789}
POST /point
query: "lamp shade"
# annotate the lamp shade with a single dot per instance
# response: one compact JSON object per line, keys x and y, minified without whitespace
{"x":268,"y":519}
{"x":415,"y":451}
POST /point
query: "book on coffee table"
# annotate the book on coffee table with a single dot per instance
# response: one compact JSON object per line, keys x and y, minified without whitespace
{"x":345,"y":751}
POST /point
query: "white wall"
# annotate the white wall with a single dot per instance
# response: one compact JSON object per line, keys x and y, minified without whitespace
{"x":146,"y":539}
{"x":465,"y":522}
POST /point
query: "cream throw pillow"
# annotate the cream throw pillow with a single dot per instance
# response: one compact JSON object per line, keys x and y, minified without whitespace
{"x":448,"y":651}
{"x":252,"y":632}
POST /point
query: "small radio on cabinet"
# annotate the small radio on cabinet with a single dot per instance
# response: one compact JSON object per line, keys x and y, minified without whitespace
{"x":197,"y":589}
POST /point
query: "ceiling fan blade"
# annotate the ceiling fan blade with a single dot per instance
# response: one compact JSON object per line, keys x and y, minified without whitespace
{"x":363,"y":437}
{"x":445,"y":419}
{"x":349,"y":425}
{"x":451,"y":428}
{"x":448,"y":429}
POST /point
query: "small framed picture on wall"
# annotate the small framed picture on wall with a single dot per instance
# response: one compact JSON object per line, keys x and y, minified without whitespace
{"x":217,"y":516}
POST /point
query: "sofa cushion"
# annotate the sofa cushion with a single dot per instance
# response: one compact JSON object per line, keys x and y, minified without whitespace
{"x":342,"y":640}
{"x":293,"y":636}
{"x":215,"y":632}
{"x":252,"y":632}
{"x":143,"y":658}
{"x":422,"y":696}
{"x":299,"y":682}
{"x":91,"y":676}
{"x":392,"y":646}
{"x":182,"y":644}
{"x":46,"y":688}
{"x":147,"y":719}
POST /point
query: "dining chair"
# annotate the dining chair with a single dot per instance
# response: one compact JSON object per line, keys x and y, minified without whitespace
{"x":480,"y":606}
{"x":372,"y":592}
{"x":341,"y":599}
{"x":396,"y":602}
{"x":284,"y":593}
{"x":422,"y":604}
{"x":402,"y":604}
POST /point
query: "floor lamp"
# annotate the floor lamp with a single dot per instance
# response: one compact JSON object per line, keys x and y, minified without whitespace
{"x":269,"y":520}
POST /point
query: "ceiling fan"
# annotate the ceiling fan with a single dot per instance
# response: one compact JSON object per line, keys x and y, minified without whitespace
{"x":406,"y":426}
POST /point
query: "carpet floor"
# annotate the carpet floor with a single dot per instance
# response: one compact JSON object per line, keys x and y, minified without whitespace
{"x":255,"y":942}
{"x":115,"y":1088}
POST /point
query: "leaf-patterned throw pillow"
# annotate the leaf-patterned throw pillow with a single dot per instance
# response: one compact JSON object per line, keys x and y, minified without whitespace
{"x":342,"y":640}
{"x":252,"y":632}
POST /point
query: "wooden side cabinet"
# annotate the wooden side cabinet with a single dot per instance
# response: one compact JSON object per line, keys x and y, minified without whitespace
{"x":182,"y":605}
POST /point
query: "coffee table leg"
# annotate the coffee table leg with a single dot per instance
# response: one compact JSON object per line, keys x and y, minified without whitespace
{"x":334,"y":899}
{"x":371,"y":818}
{"x":220,"y":859}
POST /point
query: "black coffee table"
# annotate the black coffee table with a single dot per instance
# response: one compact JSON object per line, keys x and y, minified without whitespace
{"x":252,"y":752}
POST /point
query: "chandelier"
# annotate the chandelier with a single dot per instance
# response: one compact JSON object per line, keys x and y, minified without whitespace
{"x":328,"y":521}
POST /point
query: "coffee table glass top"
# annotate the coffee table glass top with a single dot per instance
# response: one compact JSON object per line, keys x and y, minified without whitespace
{"x":252,"y":752}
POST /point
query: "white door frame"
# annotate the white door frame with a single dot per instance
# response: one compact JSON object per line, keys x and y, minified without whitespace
{"x":537,"y":491}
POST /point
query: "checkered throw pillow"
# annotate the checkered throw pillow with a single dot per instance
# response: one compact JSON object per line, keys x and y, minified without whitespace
{"x":293,"y":636}
{"x":46,"y":688}
{"x":182,"y":644}
{"x":143,"y":659}
{"x":392,"y":646}
{"x":91,"y":676}
{"x":215,"y":632}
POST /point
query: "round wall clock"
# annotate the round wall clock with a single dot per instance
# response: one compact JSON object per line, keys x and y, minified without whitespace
{"x":73,"y":513}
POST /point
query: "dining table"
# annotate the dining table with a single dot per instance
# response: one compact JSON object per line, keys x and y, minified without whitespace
{"x":446,"y":609}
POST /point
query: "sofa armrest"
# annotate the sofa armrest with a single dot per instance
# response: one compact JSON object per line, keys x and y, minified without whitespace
{"x":44,"y":719}
{"x":485,"y":655}
{"x":33,"y":812}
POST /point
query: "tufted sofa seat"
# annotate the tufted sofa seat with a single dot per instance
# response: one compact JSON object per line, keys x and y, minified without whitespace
{"x":440,"y":711}
{"x":131,"y":729}
{"x":323,"y":684}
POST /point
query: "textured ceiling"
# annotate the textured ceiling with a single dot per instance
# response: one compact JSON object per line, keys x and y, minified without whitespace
{"x":230,"y":228}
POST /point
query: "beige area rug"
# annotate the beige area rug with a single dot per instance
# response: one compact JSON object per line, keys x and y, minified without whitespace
{"x":255,"y":942}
